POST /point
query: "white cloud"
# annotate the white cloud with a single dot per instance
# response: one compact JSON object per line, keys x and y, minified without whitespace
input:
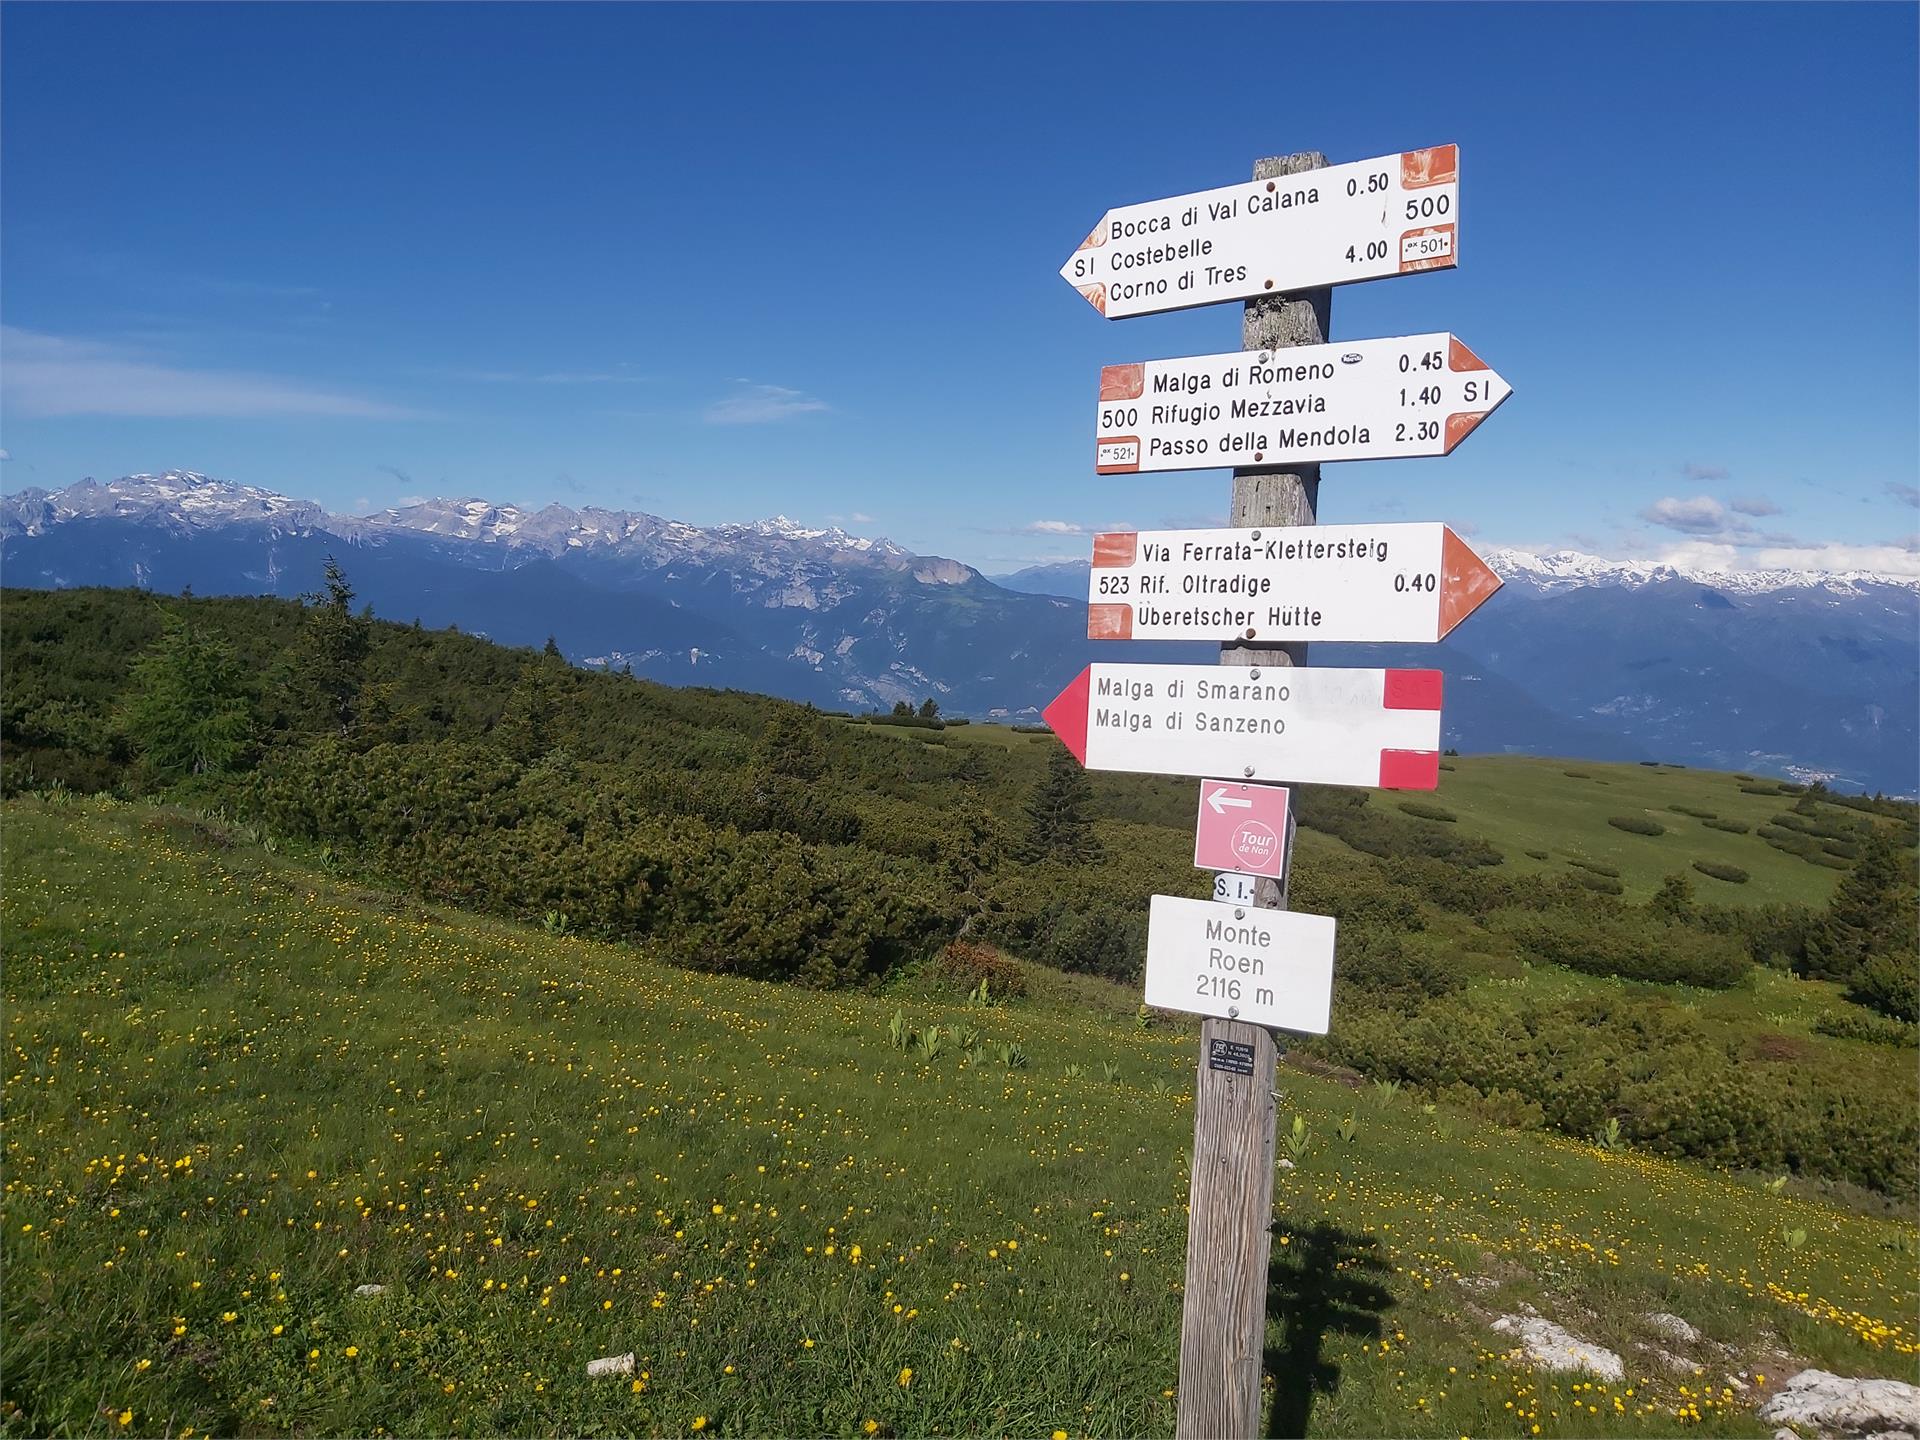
{"x":1753,"y":505}
{"x":1905,"y":494}
{"x":6,"y":455}
{"x":754,"y":404}
{"x":1702,"y":515}
{"x":52,"y":375}
{"x":1694,"y":470}
{"x":1051,"y":527}
{"x":1897,"y":558}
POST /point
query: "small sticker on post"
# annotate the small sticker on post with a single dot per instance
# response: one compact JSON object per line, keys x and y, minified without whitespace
{"x":1230,"y":1056}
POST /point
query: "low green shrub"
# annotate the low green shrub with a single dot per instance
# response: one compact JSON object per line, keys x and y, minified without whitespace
{"x":1632,"y":946}
{"x":1595,"y":867}
{"x":1422,"y":810}
{"x":1601,"y":884}
{"x":1889,"y":984}
{"x":1853,"y":1023}
{"x":1732,"y":874}
{"x":1536,"y":854}
{"x":1732,"y":827}
{"x":1790,"y":841}
{"x":1646,"y":1063}
{"x":1830,"y":862}
{"x":1576,"y":774}
{"x":1636,"y":824}
{"x":1689,"y":810}
{"x":1760,"y":789}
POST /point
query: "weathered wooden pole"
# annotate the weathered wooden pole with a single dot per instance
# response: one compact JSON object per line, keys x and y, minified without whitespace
{"x":1230,"y":1200}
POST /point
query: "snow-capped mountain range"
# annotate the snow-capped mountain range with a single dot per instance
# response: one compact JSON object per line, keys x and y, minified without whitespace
{"x":1765,"y":670}
{"x":192,"y":499}
{"x":1563,"y":569}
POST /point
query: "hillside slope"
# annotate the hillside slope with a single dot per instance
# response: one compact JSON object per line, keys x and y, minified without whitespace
{"x":240,"y":1088}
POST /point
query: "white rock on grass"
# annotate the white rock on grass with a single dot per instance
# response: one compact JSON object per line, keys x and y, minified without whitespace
{"x":610,"y":1365}
{"x":1834,"y":1402}
{"x":367,"y":1292}
{"x":1673,"y":1327}
{"x":1547,"y":1347}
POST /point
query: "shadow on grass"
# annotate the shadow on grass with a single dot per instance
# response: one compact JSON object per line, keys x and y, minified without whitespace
{"x":1318,"y":1284}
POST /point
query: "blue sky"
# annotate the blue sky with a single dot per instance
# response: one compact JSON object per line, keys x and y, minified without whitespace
{"x":719,"y":263}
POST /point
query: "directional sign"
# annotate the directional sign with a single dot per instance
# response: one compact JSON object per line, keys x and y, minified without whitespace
{"x":1242,"y":827}
{"x":1315,"y":726}
{"x":1362,"y":221}
{"x":1267,"y":967}
{"x":1374,"y":583}
{"x":1388,"y":399}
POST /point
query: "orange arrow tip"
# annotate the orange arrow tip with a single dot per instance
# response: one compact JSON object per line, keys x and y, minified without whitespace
{"x":1465,"y":581}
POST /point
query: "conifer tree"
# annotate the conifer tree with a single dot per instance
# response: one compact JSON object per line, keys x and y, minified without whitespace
{"x":792,"y":745}
{"x":1674,"y":898}
{"x":1871,"y":914}
{"x":331,"y":664}
{"x":189,"y":712}
{"x":1059,"y":814}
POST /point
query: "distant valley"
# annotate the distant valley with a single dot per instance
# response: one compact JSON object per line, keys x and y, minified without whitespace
{"x":1772,"y":672}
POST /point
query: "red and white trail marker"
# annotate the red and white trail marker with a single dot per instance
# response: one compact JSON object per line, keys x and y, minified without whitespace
{"x":1392,"y":399}
{"x":1308,"y":725}
{"x":1373,"y":218}
{"x":1241,"y":828}
{"x":1401,"y":583}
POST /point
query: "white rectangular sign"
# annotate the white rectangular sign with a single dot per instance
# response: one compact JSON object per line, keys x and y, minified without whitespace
{"x":1362,"y":221}
{"x":1230,"y":887}
{"x":1266,"y":967}
{"x":1403,"y":583}
{"x":1391,"y":399}
{"x":1317,"y":726}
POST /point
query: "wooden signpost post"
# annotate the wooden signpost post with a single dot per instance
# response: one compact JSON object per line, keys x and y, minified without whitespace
{"x":1263,"y":588}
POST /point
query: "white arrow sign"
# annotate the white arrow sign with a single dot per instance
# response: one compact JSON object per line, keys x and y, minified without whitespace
{"x":1222,"y":802}
{"x":1388,"y":216}
{"x":1373,"y":583}
{"x":1316,"y":726}
{"x":1267,"y":967}
{"x":1392,"y":399}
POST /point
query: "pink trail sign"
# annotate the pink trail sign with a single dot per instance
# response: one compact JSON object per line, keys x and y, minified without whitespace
{"x":1242,"y":827}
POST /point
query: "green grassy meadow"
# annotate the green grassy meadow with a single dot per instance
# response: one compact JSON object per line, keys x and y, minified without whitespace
{"x":1561,"y":807}
{"x":240,"y":1085}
